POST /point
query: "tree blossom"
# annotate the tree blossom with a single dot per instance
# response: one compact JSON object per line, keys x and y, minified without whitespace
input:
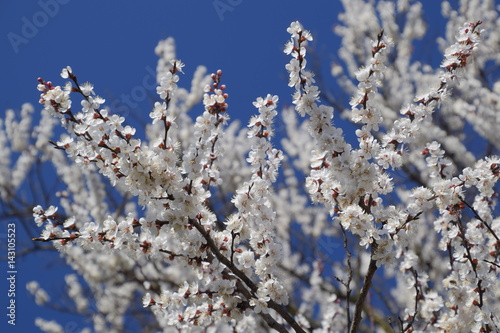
{"x":221,"y":228}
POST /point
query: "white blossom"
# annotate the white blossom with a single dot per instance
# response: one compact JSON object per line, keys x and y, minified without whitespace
{"x":237,"y":233}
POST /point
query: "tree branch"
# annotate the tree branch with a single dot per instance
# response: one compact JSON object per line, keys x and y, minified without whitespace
{"x":242,"y":276}
{"x":364,"y":292}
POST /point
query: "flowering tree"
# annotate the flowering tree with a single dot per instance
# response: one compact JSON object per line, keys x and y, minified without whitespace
{"x":395,"y":230}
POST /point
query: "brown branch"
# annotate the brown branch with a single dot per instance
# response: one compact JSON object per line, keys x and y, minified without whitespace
{"x":347,"y":284}
{"x":364,"y":293}
{"x":242,"y":276}
{"x":271,"y":322}
{"x":477,"y":216}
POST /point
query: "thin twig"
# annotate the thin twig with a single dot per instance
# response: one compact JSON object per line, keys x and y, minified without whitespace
{"x":347,"y":284}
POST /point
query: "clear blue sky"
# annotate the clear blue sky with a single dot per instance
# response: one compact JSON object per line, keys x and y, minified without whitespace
{"x":111,"y":44}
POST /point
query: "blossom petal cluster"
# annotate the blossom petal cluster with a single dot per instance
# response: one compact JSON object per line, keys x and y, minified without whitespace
{"x":205,"y":226}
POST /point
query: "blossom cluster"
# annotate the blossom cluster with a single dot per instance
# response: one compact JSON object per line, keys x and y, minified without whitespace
{"x":353,"y":182}
{"x":230,"y":233}
{"x":178,"y":226}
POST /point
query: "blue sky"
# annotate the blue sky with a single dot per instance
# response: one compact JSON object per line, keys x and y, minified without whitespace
{"x":111,"y":44}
